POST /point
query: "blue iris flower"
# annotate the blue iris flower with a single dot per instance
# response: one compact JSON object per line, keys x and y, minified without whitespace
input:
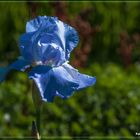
{"x":45,"y":49}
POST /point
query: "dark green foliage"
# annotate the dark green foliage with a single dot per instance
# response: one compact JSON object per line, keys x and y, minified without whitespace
{"x":111,"y":108}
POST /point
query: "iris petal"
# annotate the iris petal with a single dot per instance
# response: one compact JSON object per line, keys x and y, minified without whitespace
{"x":55,"y":82}
{"x":71,"y":37}
{"x":83,"y":79}
{"x":40,"y":21}
{"x":44,"y":31}
{"x":59,"y":81}
{"x":26,"y":46}
{"x":68,"y":36}
{"x":19,"y":65}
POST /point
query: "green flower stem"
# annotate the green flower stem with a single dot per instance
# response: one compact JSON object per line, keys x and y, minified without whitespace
{"x":38,"y":117}
{"x":37,"y":103}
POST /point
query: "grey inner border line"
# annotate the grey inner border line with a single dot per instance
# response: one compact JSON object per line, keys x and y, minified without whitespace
{"x":105,"y":1}
{"x":70,"y":137}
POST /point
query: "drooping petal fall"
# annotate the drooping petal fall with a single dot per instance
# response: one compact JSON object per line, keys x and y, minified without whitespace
{"x":83,"y":79}
{"x":59,"y":81}
{"x":20,"y":65}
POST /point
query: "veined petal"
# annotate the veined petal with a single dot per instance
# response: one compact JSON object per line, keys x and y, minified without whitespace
{"x":19,"y":65}
{"x":55,"y":82}
{"x":68,"y":36}
{"x":39,"y":22}
{"x":45,"y":32}
{"x":72,"y":39}
{"x":26,"y":46}
{"x":82,"y":79}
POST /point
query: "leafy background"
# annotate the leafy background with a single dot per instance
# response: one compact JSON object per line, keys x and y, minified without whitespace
{"x":109,"y":49}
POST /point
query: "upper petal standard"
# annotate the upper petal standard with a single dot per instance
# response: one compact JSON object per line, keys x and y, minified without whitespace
{"x":43,"y":36}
